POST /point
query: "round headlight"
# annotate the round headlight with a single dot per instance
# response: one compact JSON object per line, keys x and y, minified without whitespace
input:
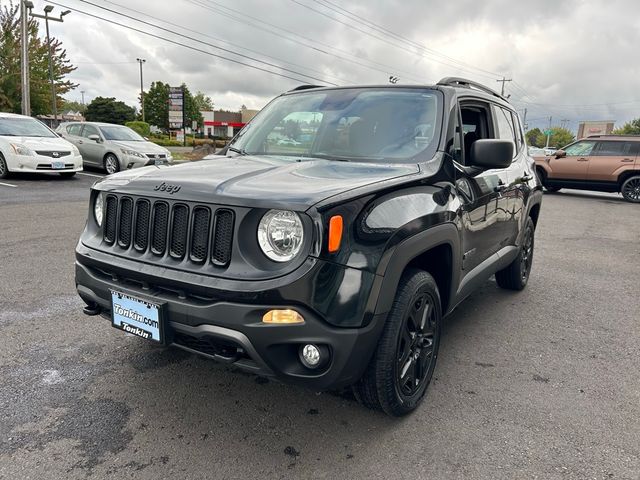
{"x":98,"y":209}
{"x":280,"y":235}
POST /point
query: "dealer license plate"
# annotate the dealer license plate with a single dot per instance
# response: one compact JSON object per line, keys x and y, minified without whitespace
{"x":57,"y":165}
{"x":136,"y":316}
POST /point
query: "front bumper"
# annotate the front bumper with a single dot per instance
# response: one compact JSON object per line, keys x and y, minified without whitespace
{"x":43,"y":164}
{"x":227,"y":326}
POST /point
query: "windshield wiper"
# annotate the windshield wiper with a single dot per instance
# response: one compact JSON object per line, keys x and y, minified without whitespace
{"x":237,"y":150}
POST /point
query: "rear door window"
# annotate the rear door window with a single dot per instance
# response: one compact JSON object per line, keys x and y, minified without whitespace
{"x":613,"y":149}
{"x":74,"y":129}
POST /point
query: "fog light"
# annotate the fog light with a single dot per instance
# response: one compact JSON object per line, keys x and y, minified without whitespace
{"x":282,"y":316}
{"x":310,"y":355}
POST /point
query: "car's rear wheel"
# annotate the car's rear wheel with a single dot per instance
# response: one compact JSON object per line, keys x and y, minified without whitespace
{"x":402,"y":366}
{"x":67,"y":174}
{"x":4,"y":169}
{"x":111,"y":163}
{"x":631,"y":189}
{"x":516,"y":275}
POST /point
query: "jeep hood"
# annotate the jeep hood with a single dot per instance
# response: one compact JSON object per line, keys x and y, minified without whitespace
{"x":254,"y":181}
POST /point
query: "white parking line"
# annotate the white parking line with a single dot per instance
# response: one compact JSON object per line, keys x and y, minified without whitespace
{"x":91,"y":175}
{"x":8,"y":185}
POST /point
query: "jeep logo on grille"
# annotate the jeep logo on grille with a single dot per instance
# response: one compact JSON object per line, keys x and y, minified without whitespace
{"x":55,"y":154}
{"x":163,"y":187}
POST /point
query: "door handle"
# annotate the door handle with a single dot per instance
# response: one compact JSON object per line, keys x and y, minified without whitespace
{"x":527,"y":178}
{"x":626,"y":160}
{"x":501,"y":187}
{"x":79,"y":141}
{"x":583,"y":159}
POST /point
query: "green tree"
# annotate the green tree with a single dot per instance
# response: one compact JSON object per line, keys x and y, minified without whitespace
{"x":73,"y":106}
{"x":202,"y":101}
{"x":110,"y":110}
{"x":191,"y":110}
{"x":560,"y":137}
{"x":40,"y":87}
{"x":533,"y":137}
{"x":629,"y":128}
{"x":156,"y":105}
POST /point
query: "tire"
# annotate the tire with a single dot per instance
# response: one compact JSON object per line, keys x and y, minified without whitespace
{"x":516,"y":275}
{"x":630,"y":189}
{"x":111,"y":164}
{"x":396,"y":380}
{"x":542,"y":176}
{"x":4,"y":169}
{"x":67,"y":174}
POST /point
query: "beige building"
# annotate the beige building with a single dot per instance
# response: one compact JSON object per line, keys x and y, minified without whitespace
{"x":588,"y":128}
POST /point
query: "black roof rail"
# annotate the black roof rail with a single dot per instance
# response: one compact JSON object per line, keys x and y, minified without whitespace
{"x":464,"y":83}
{"x":305,"y":87}
{"x":613,"y":135}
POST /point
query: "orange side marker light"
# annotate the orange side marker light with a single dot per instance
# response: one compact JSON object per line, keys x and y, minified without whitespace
{"x":335,"y":233}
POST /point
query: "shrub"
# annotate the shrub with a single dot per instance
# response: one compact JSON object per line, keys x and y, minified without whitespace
{"x":141,"y":128}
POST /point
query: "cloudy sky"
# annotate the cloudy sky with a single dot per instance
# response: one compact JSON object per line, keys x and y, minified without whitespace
{"x":569,"y":59}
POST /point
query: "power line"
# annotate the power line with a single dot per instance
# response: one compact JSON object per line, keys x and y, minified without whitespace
{"x":223,"y":41}
{"x":176,"y":42}
{"x":390,"y":33}
{"x":206,"y":43}
{"x":312,"y":44}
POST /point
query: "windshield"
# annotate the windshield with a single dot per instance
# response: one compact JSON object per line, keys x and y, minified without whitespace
{"x":360,"y":124}
{"x":24,"y":127}
{"x":124,"y":134}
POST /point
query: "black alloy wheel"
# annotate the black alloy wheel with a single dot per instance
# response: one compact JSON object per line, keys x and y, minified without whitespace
{"x":631,"y":189}
{"x":516,"y":275}
{"x":402,"y":366}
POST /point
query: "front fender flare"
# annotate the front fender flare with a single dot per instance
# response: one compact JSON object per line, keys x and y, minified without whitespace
{"x":396,"y":259}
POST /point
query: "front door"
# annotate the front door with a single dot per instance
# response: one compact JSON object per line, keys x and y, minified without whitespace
{"x":574,"y":165}
{"x":92,"y":151}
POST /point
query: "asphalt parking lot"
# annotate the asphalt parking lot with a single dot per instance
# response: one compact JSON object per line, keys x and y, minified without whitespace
{"x":539,"y":384}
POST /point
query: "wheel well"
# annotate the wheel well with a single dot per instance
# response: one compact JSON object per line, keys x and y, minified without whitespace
{"x":624,"y":175}
{"x":437,"y":262}
{"x":534,"y":213}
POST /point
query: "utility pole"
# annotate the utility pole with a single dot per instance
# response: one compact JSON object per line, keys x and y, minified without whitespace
{"x":548,"y":133}
{"x":503,"y":81}
{"x":47,"y":10}
{"x":564,"y":123}
{"x":82,"y":92}
{"x":24,"y":58}
{"x":141,"y":61}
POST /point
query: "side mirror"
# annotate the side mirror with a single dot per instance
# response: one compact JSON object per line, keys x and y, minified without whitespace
{"x":491,"y":153}
{"x":95,"y":138}
{"x":560,"y":154}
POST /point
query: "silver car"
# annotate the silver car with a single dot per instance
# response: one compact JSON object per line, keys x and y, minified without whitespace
{"x":112,"y":147}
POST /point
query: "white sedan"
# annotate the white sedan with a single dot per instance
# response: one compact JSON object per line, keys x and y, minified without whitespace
{"x":28,"y":145}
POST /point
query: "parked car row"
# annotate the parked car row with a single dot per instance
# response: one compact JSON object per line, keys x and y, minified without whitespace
{"x":29,"y":146}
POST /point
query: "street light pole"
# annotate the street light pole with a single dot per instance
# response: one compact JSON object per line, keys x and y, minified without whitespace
{"x":141,"y":61}
{"x":47,"y":10}
{"x":25,"y":7}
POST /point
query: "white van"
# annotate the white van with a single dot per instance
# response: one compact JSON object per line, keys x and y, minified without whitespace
{"x":28,"y":145}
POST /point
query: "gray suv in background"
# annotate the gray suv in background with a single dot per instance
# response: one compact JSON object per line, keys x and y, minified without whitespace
{"x":112,"y":147}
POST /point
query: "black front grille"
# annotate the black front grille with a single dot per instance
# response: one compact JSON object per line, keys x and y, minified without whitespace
{"x":126,"y":219}
{"x":179,"y":231}
{"x":143,"y":215}
{"x":52,"y":153}
{"x":111,"y":217}
{"x":222,"y":236}
{"x":197,"y":233}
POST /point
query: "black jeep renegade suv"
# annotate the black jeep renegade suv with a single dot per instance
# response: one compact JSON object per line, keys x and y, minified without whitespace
{"x":328,"y":242}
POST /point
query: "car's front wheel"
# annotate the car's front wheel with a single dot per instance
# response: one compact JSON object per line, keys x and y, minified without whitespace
{"x":631,"y":189}
{"x":402,"y":366}
{"x":111,"y":163}
{"x":4,"y":170}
